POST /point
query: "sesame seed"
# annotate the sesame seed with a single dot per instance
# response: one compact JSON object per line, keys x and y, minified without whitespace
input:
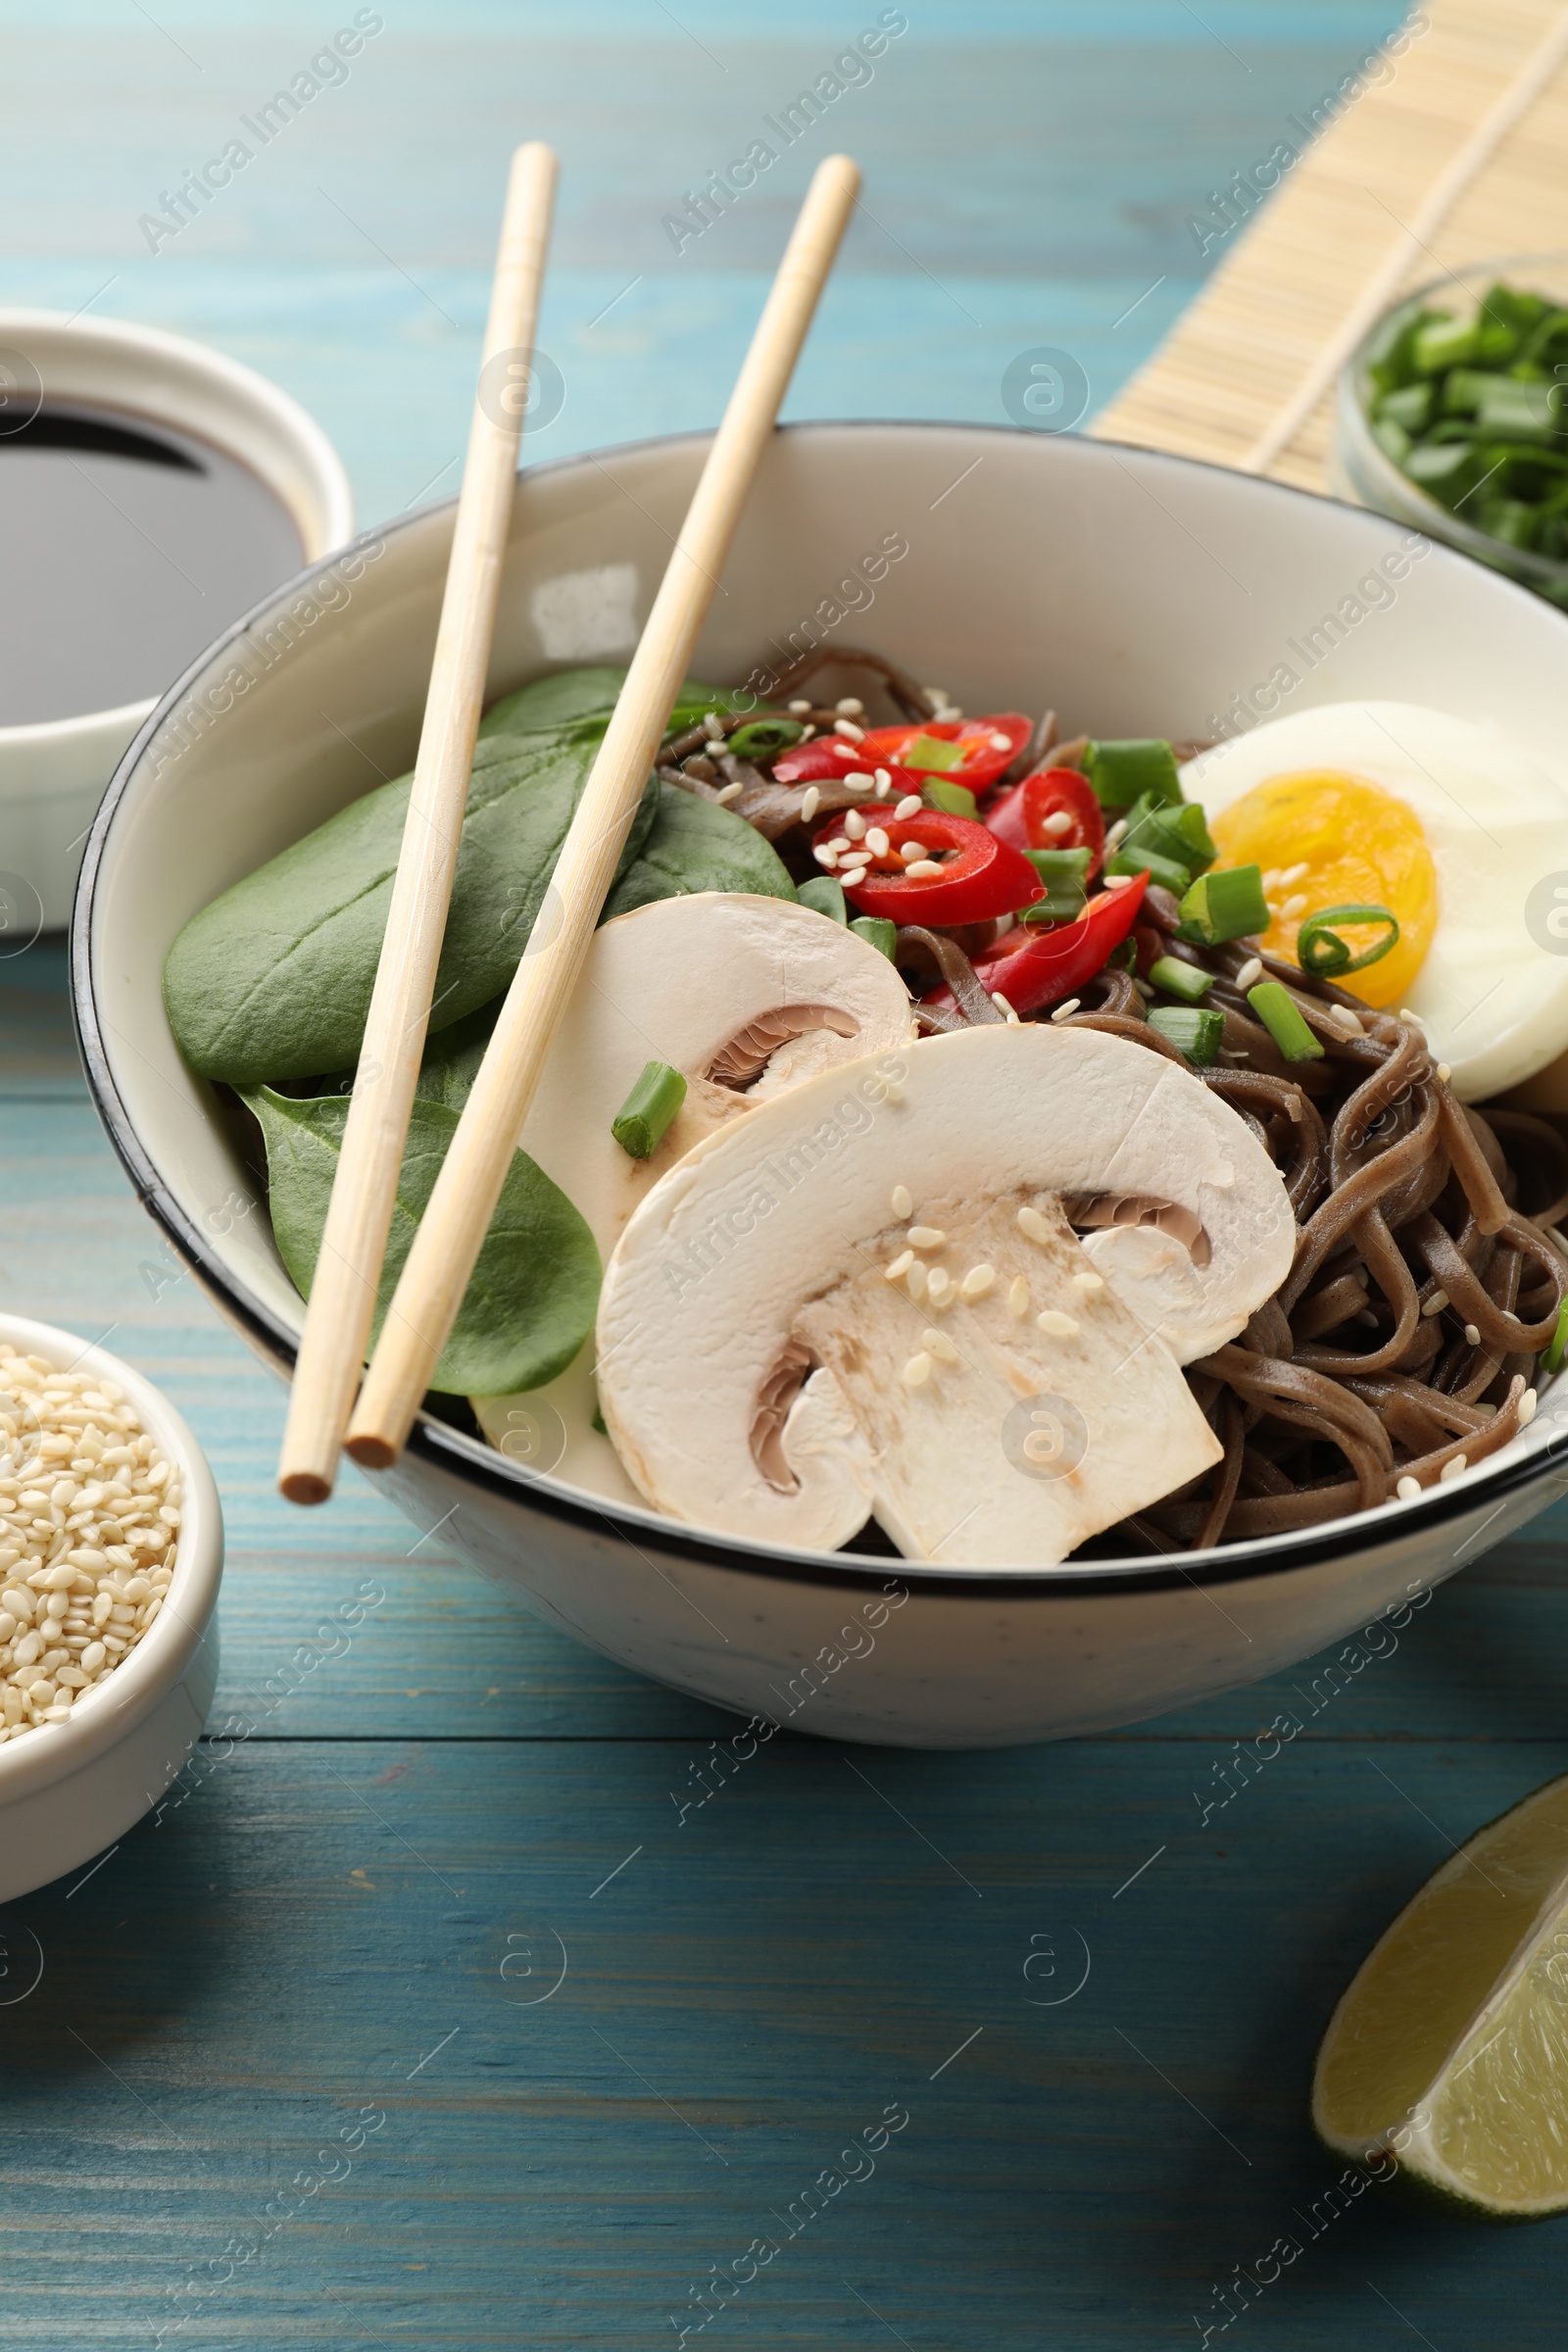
{"x":842,"y":750}
{"x":1118,"y":881}
{"x":937,"y":1344}
{"x":1117,"y":834}
{"x":850,"y":706}
{"x":1057,"y":823}
{"x":1444,"y":1073}
{"x":1472,"y":1333}
{"x":901,"y":1265}
{"x":999,"y":742}
{"x":731,"y":792}
{"x":1089,"y":1283}
{"x":1408,"y":1489}
{"x":809,"y":731}
{"x":1019,"y":1297}
{"x":1008,"y":1013}
{"x":714,"y":726}
{"x":838,"y":843}
{"x":1063,"y":1010}
{"x":883,"y":783}
{"x":917,"y":1371}
{"x":902,"y":1201}
{"x":1271,"y":880}
{"x":915,"y":1281}
{"x":1294,"y":874}
{"x":855,"y":824}
{"x":1033,"y":1224}
{"x":1343,"y":1018}
{"x":939,"y":1285}
{"x":977,"y":1281}
{"x":877,"y":842}
{"x":935,"y":694}
{"x":908,"y":806}
{"x":926,"y":1236}
{"x":811,"y":802}
{"x":825,"y":857}
{"x":848,"y":730}
{"x":1452,"y":1467}
{"x":1250,"y":973}
{"x":1056,"y":1325}
{"x":1436,"y":1303}
{"x":1293,"y":908}
{"x":799,"y":710}
{"x":912,"y":852}
{"x":854,"y":861}
{"x":1414,"y":1019}
{"x":922,"y":868}
{"x":1528,"y":1404}
{"x":859,"y":778}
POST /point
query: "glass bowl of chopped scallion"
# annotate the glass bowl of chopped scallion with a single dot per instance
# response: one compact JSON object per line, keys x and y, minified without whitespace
{"x":1454,"y":417}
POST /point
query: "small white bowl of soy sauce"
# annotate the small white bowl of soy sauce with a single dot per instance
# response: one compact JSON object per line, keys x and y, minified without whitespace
{"x":151,"y":491}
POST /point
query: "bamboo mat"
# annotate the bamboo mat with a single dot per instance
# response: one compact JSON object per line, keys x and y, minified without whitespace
{"x":1453,"y":152}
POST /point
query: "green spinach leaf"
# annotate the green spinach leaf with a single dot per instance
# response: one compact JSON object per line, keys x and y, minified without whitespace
{"x":693,"y":844}
{"x":532,"y":1296}
{"x":585,"y":698}
{"x":273,"y":979}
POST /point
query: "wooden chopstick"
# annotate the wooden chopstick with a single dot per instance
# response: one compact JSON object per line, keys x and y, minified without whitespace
{"x":453,"y":1225}
{"x":348,"y":1270}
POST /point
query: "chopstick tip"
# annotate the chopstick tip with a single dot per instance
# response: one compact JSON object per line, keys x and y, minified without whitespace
{"x":371,"y":1452}
{"x":304,"y":1486}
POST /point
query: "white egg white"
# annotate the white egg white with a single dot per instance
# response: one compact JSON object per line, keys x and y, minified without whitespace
{"x":1493,"y":999}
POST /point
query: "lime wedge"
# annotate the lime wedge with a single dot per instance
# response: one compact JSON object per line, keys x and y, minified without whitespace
{"x":1449,"y":2049}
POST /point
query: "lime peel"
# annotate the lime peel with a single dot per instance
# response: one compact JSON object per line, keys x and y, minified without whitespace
{"x":1448,"y":2051}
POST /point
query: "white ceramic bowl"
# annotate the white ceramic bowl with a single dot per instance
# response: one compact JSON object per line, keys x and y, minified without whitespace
{"x":68,"y":1789}
{"x":1139,"y":593}
{"x":52,"y":773}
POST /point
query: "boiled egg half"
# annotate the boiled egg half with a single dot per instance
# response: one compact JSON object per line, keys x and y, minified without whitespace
{"x":1448,"y":825}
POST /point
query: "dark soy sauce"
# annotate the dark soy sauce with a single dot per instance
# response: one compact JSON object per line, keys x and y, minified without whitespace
{"x":125,"y":548}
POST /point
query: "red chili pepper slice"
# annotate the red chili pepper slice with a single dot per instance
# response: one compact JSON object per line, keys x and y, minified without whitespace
{"x":1033,"y":968}
{"x":1030,"y":816}
{"x":829,"y":756}
{"x":972,"y":751}
{"x":981,"y":877}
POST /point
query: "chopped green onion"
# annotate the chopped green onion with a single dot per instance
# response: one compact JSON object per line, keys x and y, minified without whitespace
{"x":1137,"y":768}
{"x":1447,"y":471}
{"x":1227,"y":904}
{"x":1169,"y":872}
{"x":1557,"y":1345}
{"x":1279,"y":1015}
{"x":1412,"y":405}
{"x":1194,"y":1029}
{"x":1178,"y":979}
{"x":597,"y":1422}
{"x":765,"y":736}
{"x":1321,"y":951}
{"x":1063,"y":874}
{"x":639,"y":1125}
{"x":824,"y":896}
{"x":877,"y":932}
{"x":929,"y":751}
{"x":955,"y":798}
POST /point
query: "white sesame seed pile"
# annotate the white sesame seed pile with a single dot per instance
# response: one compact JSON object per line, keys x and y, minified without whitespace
{"x":89,"y":1509}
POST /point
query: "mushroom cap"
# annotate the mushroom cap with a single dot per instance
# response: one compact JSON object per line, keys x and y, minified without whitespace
{"x":711,"y":977}
{"x":679,"y":981}
{"x":714,"y":1280}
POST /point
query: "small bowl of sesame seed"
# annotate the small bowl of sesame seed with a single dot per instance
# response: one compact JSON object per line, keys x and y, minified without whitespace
{"x":111,"y":1550}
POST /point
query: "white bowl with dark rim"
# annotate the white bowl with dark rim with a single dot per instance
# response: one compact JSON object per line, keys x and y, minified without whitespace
{"x":1139,"y":593}
{"x":68,"y":1789}
{"x":53,"y":769}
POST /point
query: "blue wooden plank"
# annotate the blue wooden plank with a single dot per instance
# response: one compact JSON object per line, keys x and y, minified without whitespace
{"x":322,"y":1931}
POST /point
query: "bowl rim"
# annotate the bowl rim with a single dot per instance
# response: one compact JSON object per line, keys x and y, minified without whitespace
{"x":448,"y":1450}
{"x":162,"y":1657}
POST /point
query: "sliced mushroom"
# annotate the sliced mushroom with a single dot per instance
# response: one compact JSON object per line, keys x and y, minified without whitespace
{"x":761,"y":1373}
{"x":745,"y":996}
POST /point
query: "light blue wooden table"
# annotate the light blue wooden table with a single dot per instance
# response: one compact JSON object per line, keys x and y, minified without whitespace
{"x":363,"y":1909}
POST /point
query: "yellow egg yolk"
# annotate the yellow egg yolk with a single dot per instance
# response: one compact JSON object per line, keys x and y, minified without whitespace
{"x":1325,"y":838}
